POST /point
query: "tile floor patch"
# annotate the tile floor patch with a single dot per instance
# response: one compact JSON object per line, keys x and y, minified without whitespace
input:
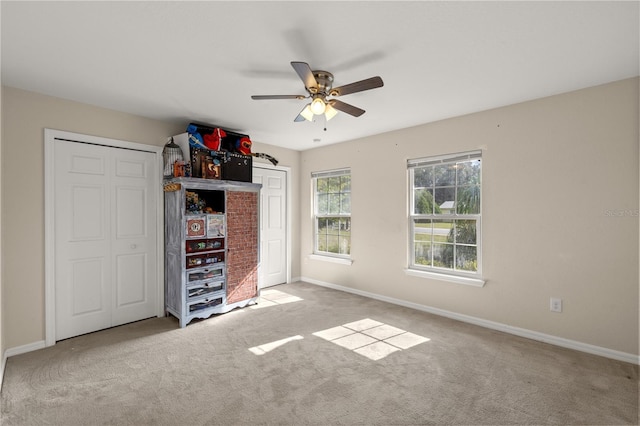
{"x":362,"y":324}
{"x":383,"y":331}
{"x":376,"y":351}
{"x":370,"y":338}
{"x":354,"y":341}
{"x":334,"y":333}
{"x":406,"y":340}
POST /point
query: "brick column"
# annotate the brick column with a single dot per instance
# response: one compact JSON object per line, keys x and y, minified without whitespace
{"x":242,"y":245}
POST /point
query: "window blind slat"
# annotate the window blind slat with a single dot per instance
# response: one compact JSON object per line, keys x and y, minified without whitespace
{"x":453,"y":158}
{"x":331,"y":173}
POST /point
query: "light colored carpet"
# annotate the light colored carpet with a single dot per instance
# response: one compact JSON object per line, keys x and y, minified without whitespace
{"x":308,"y":355}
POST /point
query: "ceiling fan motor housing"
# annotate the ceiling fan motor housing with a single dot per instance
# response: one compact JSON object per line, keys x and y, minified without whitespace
{"x":325,"y":82}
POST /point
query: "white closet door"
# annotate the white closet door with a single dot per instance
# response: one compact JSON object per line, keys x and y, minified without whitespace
{"x":105,"y":244}
{"x":273,"y":228}
{"x":133,"y":238}
{"x":83,"y":272}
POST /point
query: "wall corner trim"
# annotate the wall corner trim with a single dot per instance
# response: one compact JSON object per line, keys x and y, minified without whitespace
{"x":17,"y":351}
{"x":2,"y":365}
{"x":521,"y":332}
{"x":30,"y":347}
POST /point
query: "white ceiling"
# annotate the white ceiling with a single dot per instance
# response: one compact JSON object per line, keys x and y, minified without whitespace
{"x":201,"y":61}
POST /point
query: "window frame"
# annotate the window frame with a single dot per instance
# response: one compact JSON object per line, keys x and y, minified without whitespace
{"x":316,"y":216}
{"x":455,"y":275}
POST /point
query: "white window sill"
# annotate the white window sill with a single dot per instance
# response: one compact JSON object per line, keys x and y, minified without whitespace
{"x":340,"y":260}
{"x":475,"y":282}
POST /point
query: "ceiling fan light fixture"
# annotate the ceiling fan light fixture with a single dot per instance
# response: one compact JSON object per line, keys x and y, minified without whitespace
{"x":307,"y":113}
{"x":318,"y":106}
{"x":319,"y":85}
{"x":330,"y":112}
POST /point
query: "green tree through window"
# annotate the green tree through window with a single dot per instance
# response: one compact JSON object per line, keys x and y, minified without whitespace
{"x":332,"y":211}
{"x":445,"y":213}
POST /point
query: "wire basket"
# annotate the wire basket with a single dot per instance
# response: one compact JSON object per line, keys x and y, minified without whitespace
{"x":170,"y":154}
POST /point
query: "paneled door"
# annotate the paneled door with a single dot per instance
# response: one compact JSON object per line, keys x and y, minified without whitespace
{"x":105,"y":237}
{"x":273,"y":229}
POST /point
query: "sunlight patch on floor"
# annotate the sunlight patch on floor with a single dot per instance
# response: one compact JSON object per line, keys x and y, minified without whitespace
{"x":370,"y":338}
{"x":271,"y":297}
{"x":268,"y":347}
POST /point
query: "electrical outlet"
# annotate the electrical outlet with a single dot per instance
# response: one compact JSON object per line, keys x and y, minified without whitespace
{"x":555,"y":305}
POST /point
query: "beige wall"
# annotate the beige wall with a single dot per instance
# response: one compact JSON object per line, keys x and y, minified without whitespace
{"x":2,"y":346}
{"x":554,"y":170}
{"x":25,"y":116}
{"x":557,"y":172}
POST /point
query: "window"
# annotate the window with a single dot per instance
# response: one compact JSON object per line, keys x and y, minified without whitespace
{"x":332,"y":212}
{"x":445,"y":218}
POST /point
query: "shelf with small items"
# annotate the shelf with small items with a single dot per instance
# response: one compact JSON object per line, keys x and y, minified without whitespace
{"x":205,"y":262}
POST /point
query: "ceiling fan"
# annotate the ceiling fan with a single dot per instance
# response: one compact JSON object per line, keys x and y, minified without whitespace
{"x":318,"y":85}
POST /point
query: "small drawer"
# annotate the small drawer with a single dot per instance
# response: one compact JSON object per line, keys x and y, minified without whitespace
{"x":195,"y":246}
{"x":205,"y":273}
{"x":206,"y":259}
{"x":196,"y":226}
{"x":215,"y":225}
{"x":204,"y":289}
{"x":205,"y":304}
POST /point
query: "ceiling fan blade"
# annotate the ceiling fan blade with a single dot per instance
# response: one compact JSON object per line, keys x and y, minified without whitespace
{"x":266,"y":97}
{"x":345,"y":107}
{"x":306,"y":75}
{"x":358,"y":86}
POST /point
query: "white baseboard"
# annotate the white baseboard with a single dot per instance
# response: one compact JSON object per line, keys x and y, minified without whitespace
{"x":529,"y":334}
{"x":24,"y":348}
{"x":4,"y":362}
{"x":17,"y":351}
{"x":534,"y":335}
